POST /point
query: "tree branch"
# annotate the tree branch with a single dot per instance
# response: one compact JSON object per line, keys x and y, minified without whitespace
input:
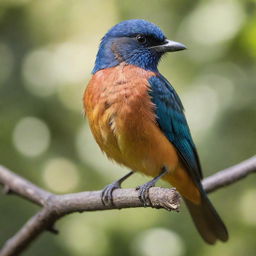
{"x":230,"y":175}
{"x":13,"y":183}
{"x":57,"y":206}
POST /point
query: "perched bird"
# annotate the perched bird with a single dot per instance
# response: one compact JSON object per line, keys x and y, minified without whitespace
{"x":137,"y":119}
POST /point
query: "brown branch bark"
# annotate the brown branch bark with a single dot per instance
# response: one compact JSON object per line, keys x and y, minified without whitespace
{"x":56,"y":206}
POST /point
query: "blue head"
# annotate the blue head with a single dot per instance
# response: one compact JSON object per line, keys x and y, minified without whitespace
{"x":135,"y":42}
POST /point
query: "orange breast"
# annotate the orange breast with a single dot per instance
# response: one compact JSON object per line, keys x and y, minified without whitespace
{"x":122,"y":120}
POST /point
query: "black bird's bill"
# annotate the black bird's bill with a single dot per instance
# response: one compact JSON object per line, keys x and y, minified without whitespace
{"x":169,"y":46}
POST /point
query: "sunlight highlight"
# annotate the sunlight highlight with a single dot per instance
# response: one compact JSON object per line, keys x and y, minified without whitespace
{"x":31,"y":136}
{"x":61,"y":175}
{"x":158,"y":241}
{"x":248,"y":207}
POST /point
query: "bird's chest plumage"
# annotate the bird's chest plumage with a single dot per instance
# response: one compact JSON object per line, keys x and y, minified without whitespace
{"x":123,"y":121}
{"x":119,"y":111}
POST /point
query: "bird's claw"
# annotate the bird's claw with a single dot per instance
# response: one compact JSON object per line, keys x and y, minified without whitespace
{"x":144,"y":189}
{"x":144,"y":193}
{"x":107,"y":193}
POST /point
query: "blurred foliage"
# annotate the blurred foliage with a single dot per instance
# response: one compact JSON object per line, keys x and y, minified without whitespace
{"x":47,"y":50}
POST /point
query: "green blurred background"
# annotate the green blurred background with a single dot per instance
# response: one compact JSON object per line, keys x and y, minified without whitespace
{"x":47,"y":51}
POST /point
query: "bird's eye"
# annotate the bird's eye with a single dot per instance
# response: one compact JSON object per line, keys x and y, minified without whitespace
{"x":141,"y":39}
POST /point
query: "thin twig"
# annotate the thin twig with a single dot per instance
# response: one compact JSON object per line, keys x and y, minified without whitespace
{"x":57,"y":206}
{"x":230,"y":175}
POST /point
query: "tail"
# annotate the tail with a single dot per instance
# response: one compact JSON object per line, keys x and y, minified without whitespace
{"x":207,"y":221}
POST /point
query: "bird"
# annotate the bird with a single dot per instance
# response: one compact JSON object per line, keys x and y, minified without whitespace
{"x":138,"y":120}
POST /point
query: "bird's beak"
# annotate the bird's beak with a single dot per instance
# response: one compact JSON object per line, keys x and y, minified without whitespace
{"x":169,"y":46}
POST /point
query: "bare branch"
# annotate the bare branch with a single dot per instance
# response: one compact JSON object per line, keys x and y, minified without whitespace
{"x":14,"y":183}
{"x":29,"y":232}
{"x":230,"y":175}
{"x":57,"y":206}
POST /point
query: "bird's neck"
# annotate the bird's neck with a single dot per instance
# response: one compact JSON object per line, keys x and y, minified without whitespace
{"x":105,"y":57}
{"x":108,"y":57}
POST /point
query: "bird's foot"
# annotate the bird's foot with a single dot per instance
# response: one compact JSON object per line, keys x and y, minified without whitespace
{"x":107,"y":192}
{"x":144,"y":189}
{"x":144,"y":192}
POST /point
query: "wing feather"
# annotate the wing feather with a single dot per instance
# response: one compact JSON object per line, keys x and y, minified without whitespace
{"x":173,"y":123}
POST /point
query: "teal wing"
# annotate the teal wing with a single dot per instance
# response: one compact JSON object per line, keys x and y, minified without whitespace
{"x":171,"y":120}
{"x":173,"y":124}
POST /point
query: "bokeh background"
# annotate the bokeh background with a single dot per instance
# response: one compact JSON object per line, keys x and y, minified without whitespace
{"x":47,"y":51}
